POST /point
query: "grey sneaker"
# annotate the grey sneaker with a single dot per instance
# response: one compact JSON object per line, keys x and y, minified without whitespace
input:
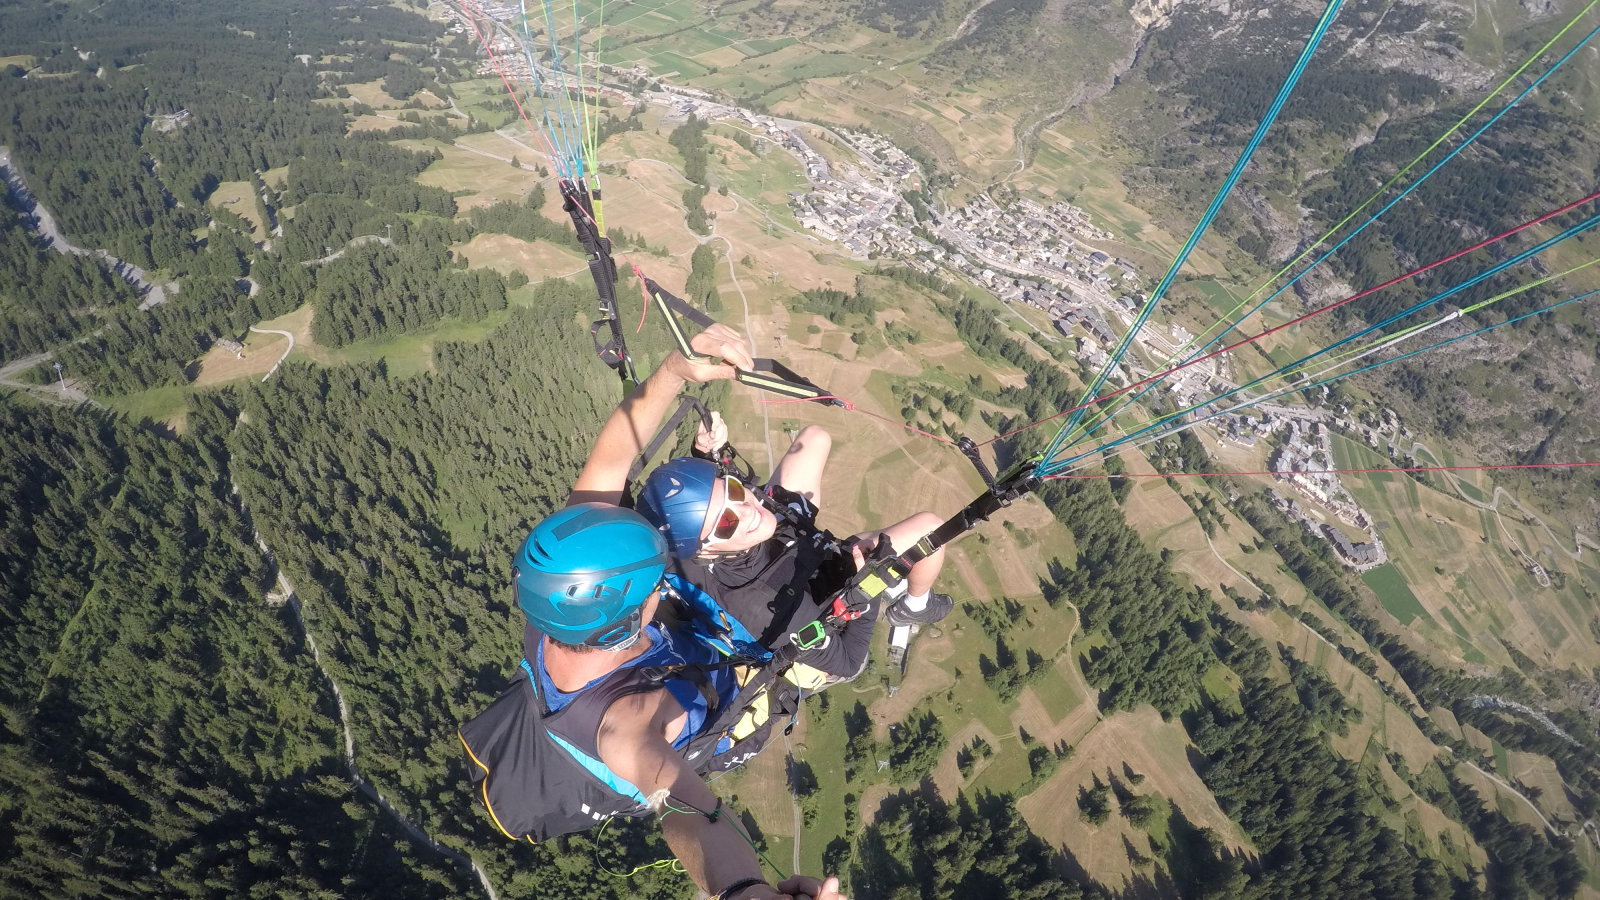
{"x":938,"y":606}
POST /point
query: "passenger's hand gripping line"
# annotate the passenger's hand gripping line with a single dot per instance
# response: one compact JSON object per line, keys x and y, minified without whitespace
{"x":768,"y":374}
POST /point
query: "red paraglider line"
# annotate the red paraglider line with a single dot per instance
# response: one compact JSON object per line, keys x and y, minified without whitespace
{"x":1317,"y":312}
{"x":494,"y":60}
{"x":854,"y":408}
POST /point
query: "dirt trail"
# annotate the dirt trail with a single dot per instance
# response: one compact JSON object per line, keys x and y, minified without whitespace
{"x":288,"y":350}
{"x":284,"y":593}
{"x":1579,"y":539}
{"x":69,"y":394}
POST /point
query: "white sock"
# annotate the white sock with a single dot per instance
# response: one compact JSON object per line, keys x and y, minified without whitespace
{"x":915,"y":602}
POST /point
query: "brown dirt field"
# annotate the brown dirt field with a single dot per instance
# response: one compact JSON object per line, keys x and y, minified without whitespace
{"x":490,"y":179}
{"x":298,"y":323}
{"x":372,"y":94}
{"x":1079,"y":722}
{"x":793,"y":258}
{"x":1433,"y":820}
{"x":261,"y":352}
{"x":375,"y":123}
{"x":872,"y":800}
{"x":946,"y":775}
{"x":763,"y":790}
{"x":1401,"y":733}
{"x":969,"y":574}
{"x":537,"y":260}
{"x":1446,"y":720}
{"x":1476,"y":739}
{"x":1496,"y":797}
{"x":239,"y":198}
{"x":1153,"y":748}
{"x":649,"y":201}
{"x":1540,"y":772}
{"x":722,"y":57}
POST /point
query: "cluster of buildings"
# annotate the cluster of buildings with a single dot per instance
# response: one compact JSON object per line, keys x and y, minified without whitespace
{"x":859,"y":203}
{"x":1386,"y":434}
{"x":1028,"y":240}
{"x":1029,"y":253}
{"x":1304,"y":461}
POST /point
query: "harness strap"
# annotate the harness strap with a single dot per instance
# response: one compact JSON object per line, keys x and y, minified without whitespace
{"x":885,"y":576}
{"x":685,"y":404}
{"x":698,"y":674}
{"x":582,"y":204}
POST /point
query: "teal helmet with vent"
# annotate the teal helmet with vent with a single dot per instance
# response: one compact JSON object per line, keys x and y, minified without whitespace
{"x":583,"y":574}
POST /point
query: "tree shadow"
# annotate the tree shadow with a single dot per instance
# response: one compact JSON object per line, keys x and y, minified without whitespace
{"x":857,"y":722}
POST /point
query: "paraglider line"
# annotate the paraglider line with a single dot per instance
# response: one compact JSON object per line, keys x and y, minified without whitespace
{"x":1363,"y":227}
{"x":1560,"y":465}
{"x":510,"y":91}
{"x":1368,"y":292}
{"x":1078,"y":460}
{"x":854,"y":408}
{"x":1091,"y":429}
{"x":1592,"y":221}
{"x":1408,"y":167}
{"x":1200,"y":228}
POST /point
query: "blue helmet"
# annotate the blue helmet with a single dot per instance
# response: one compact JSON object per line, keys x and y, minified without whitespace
{"x":583,"y":574}
{"x":676,"y":499}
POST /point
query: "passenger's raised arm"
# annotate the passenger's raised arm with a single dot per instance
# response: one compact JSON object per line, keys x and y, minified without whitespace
{"x":625,"y":434}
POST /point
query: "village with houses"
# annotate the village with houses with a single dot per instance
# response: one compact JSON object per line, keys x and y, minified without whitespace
{"x":1039,"y":256}
{"x":1036,"y":255}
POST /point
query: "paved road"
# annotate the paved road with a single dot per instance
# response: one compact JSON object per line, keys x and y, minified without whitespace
{"x":69,"y":395}
{"x":353,"y":242}
{"x":46,"y":226}
{"x":1580,"y":540}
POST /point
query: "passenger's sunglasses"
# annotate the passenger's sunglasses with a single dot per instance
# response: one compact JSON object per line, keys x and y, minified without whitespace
{"x":728,"y":520}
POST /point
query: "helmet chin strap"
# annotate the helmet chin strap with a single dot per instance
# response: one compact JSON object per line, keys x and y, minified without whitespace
{"x":635,"y":624}
{"x":627,"y":642}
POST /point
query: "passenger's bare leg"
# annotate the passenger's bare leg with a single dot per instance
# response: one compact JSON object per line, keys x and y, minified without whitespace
{"x":800,"y":470}
{"x":902,"y":535}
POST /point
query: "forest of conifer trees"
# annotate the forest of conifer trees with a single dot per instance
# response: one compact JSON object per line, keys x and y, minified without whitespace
{"x":164,"y":729}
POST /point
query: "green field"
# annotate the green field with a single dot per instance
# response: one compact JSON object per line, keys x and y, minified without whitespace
{"x":157,"y":404}
{"x":1391,"y":588}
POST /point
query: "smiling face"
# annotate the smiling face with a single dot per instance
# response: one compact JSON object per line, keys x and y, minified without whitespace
{"x":744,"y":521}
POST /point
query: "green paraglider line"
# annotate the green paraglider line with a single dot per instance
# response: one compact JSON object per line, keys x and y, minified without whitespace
{"x":1110,"y":414}
{"x":1099,"y":475}
{"x":1419,"y":158}
{"x":1051,"y":466}
{"x":1080,"y":460}
{"x":1205,"y":222}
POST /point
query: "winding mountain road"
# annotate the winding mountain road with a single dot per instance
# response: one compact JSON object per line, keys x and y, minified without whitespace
{"x":286,"y":352}
{"x":285,"y":593}
{"x":1579,"y":539}
{"x":45,"y":225}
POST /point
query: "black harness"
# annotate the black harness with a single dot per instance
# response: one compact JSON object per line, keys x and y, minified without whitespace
{"x":881,"y":580}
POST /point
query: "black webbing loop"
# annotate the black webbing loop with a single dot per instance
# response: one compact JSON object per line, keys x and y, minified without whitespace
{"x":685,"y":403}
{"x":767,"y":374}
